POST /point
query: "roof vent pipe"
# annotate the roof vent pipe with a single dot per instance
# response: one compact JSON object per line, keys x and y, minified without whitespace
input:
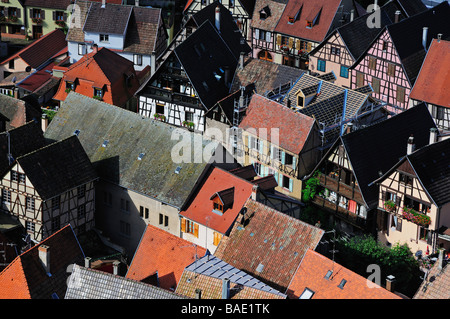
{"x":397,"y":16}
{"x":424,"y":37}
{"x":217,"y":18}
{"x":411,"y":145}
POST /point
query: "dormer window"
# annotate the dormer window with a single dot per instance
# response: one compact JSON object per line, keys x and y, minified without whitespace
{"x":264,"y":13}
{"x":291,"y":20}
{"x":98,"y":93}
{"x":222,"y":201}
{"x":309,"y":24}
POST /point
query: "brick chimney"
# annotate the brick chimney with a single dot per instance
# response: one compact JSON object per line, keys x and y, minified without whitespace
{"x":397,"y":16}
{"x":390,"y":283}
{"x":95,"y":48}
{"x":44,"y":257}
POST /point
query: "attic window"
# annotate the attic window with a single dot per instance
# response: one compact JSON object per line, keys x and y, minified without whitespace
{"x":290,"y":20}
{"x":260,"y":268}
{"x":309,"y":24}
{"x":76,"y":132}
{"x":306,"y":294}
{"x":328,"y":275}
{"x":264,"y":13}
{"x":105,"y":143}
{"x":218,"y":207}
{"x":342,"y":284}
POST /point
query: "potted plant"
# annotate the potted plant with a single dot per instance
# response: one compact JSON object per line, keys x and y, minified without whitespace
{"x":36,"y":20}
{"x":416,"y":217}
{"x":12,"y":19}
{"x":61,"y":23}
{"x":390,"y":206}
{"x":68,"y":90}
{"x":97,"y":97}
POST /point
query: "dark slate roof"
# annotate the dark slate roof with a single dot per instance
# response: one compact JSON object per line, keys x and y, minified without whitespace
{"x":23,"y":139}
{"x":58,"y":167}
{"x":202,"y":54}
{"x":407,"y":36}
{"x":18,"y":111}
{"x":229,"y":31}
{"x":372,"y":151}
{"x":128,"y":135}
{"x":432,"y":165}
{"x":412,"y":7}
{"x":99,"y":19}
{"x":86,"y":283}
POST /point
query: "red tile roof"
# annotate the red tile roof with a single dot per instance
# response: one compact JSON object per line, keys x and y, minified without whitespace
{"x":41,"y":50}
{"x":323,"y":10}
{"x":201,"y":208}
{"x":294,"y":127}
{"x":311,"y":275}
{"x":433,"y":82}
{"x":164,"y":253}
{"x":95,"y":69}
{"x":268,"y":244}
{"x":26,"y":278}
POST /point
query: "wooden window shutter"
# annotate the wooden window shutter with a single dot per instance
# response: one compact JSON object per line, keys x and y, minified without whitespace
{"x":399,"y":224}
{"x":308,"y":46}
{"x":278,"y":39}
{"x":183,"y":225}
{"x":18,"y":13}
{"x":65,"y":16}
{"x":42,"y":14}
{"x":291,"y":43}
{"x":298,"y":44}
{"x":196,"y":230}
{"x":31,"y":13}
{"x":54,"y":15}
{"x":383,"y":195}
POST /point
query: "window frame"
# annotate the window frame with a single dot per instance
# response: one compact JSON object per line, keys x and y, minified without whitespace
{"x":344,"y":74}
{"x":321,"y":65}
{"x":104,"y":38}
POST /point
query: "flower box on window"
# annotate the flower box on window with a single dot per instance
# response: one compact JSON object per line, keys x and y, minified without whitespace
{"x":415,"y":217}
{"x":390,"y":206}
{"x":12,"y":19}
{"x":36,"y":20}
{"x":160,"y":117}
{"x":60,"y":23}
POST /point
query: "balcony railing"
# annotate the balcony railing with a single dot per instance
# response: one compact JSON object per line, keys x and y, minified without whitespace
{"x":350,"y":192}
{"x":174,"y":97}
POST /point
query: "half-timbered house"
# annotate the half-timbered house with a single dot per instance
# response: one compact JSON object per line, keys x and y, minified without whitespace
{"x":347,"y":170}
{"x":195,"y":75}
{"x":51,"y":187}
{"x":305,"y":24}
{"x":433,"y":82}
{"x":278,"y":141}
{"x":341,"y":48}
{"x":393,"y":60}
{"x":265,"y":17}
{"x":241,"y":10}
{"x":413,"y":202}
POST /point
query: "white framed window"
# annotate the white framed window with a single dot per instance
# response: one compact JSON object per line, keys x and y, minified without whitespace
{"x":306,"y":294}
{"x":30,"y":226}
{"x":104,"y":38}
{"x":137,"y":59}
{"x":6,"y":196}
{"x":81,"y":210}
{"x":81,"y":49}
{"x":29,"y":203}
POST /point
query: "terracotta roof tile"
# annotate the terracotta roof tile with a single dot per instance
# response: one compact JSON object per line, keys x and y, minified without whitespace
{"x":275,"y":9}
{"x":162,"y":252}
{"x":311,"y":275}
{"x":436,"y":285}
{"x":323,"y":10}
{"x":201,"y":208}
{"x":294,"y":127}
{"x":26,"y":278}
{"x":433,"y":80}
{"x":268,"y":244}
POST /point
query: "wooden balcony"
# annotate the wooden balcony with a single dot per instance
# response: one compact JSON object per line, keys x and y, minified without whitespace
{"x":350,"y":192}
{"x":339,"y":212}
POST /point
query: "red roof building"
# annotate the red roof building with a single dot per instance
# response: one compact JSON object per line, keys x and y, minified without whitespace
{"x":41,"y":272}
{"x":433,"y":82}
{"x":101,"y":74}
{"x":321,"y":278}
{"x":161,"y":258}
{"x":34,"y":55}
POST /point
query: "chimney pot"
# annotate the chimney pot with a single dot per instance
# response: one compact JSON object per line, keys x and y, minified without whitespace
{"x":95,"y":48}
{"x":217,"y":18}
{"x":87,"y":262}
{"x":424,"y":37}
{"x":433,"y":135}
{"x":439,"y":37}
{"x":390,"y":283}
{"x":352,"y":15}
{"x":116,"y":264}
{"x":397,"y":16}
{"x":254,"y":192}
{"x":441,"y":259}
{"x":44,"y":256}
{"x":411,"y":145}
{"x":225,"y":288}
{"x":198,"y":293}
{"x":241,"y":60}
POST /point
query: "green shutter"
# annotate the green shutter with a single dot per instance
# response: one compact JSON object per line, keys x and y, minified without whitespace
{"x":291,"y":182}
